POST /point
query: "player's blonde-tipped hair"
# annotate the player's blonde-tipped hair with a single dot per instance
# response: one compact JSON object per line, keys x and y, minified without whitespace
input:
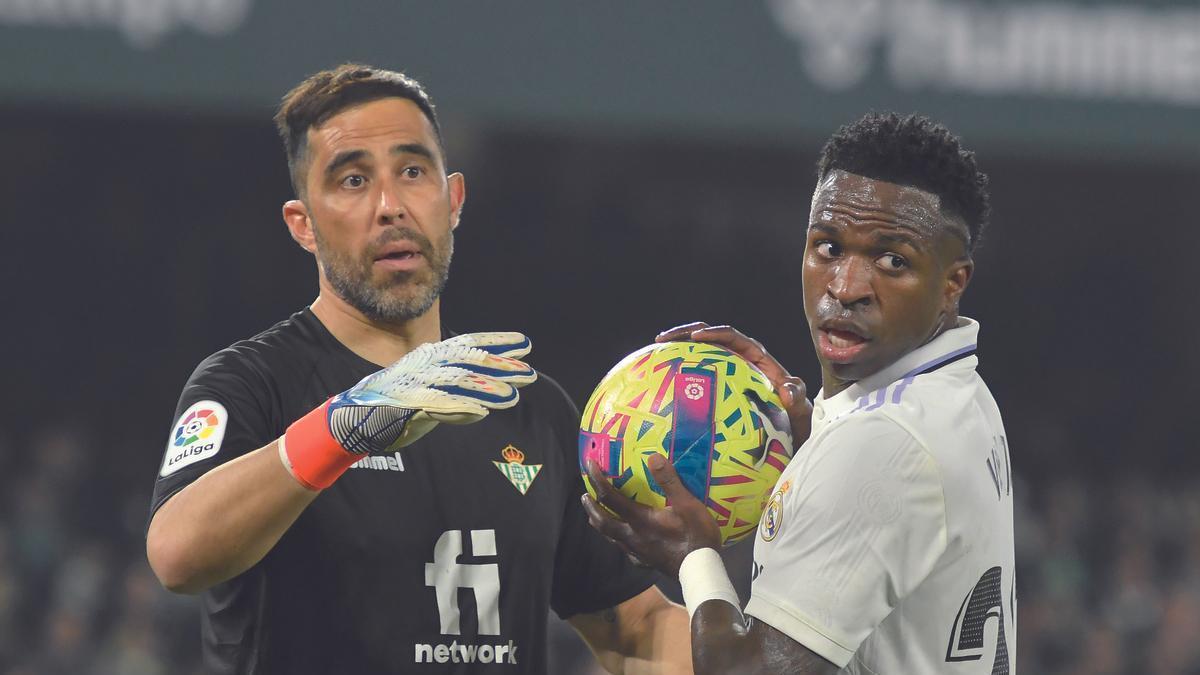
{"x":328,"y":92}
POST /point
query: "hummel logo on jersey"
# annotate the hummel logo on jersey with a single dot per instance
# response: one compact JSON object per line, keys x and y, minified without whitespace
{"x":380,"y":463}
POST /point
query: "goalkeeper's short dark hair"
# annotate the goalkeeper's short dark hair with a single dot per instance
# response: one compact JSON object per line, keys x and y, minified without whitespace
{"x":916,"y":151}
{"x":327,"y":93}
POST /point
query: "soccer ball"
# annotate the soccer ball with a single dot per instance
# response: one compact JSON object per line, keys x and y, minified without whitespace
{"x":712,"y":414}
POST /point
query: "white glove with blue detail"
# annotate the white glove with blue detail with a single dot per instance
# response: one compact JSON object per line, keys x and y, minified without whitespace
{"x":456,"y":381}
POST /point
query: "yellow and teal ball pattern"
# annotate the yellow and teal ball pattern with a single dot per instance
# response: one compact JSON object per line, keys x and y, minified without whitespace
{"x":712,"y":414}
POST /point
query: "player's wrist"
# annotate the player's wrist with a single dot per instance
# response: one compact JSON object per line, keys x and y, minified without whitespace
{"x":702,"y":577}
{"x":310,"y":452}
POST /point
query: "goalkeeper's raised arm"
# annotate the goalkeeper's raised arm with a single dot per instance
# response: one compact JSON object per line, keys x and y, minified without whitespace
{"x":231,"y":516}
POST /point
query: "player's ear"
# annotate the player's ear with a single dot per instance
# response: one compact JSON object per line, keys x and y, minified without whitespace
{"x":299,"y":224}
{"x":957,"y":278}
{"x":458,"y":196}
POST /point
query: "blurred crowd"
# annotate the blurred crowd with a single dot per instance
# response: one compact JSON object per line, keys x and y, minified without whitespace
{"x":1108,"y":577}
{"x":76,"y":594}
{"x":1108,"y":571}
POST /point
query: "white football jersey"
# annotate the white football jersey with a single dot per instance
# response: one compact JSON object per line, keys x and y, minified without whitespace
{"x":887,"y":545}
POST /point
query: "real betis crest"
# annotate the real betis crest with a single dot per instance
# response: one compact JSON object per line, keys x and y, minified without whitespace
{"x":513,"y":468}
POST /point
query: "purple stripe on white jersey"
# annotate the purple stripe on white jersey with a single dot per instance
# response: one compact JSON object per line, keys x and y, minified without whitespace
{"x":899,"y":390}
{"x":880,"y":397}
{"x":939,"y":361}
{"x":928,"y":366}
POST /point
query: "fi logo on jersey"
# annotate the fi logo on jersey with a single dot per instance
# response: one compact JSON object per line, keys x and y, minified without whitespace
{"x":198,"y":435}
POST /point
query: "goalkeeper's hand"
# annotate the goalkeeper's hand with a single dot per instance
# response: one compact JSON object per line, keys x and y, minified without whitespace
{"x":456,"y":381}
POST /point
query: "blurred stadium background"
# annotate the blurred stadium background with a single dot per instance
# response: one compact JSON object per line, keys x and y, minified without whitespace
{"x":630,"y":165}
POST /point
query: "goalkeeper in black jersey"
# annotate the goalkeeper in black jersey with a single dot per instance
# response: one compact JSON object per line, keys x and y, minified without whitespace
{"x":356,"y":490}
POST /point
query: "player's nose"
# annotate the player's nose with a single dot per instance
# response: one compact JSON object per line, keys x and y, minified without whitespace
{"x":851,"y":281}
{"x":390,"y":206}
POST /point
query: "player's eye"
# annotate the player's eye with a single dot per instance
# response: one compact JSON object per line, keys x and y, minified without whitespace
{"x":826,"y":249}
{"x":413,"y":172}
{"x":891,"y":262}
{"x":354,"y":181}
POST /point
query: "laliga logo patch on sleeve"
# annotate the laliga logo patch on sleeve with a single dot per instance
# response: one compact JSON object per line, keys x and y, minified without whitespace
{"x":197,"y":436}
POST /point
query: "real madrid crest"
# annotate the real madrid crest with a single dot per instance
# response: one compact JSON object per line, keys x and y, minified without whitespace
{"x":515,"y":470}
{"x":772,"y":518}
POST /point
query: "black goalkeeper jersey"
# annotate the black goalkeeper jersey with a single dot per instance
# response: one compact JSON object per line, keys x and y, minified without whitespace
{"x":440,"y":558}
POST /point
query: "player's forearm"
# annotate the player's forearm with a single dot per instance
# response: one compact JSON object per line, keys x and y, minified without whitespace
{"x":224,"y":522}
{"x":725,"y":642}
{"x":720,"y":643}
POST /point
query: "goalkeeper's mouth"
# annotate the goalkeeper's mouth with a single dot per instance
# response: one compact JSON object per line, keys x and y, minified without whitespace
{"x":400,"y":256}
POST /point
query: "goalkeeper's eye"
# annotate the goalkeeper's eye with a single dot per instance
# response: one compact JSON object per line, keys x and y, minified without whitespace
{"x":354,"y":181}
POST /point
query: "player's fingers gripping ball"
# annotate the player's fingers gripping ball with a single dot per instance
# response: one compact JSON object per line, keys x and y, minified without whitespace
{"x":708,"y":411}
{"x":456,"y":381}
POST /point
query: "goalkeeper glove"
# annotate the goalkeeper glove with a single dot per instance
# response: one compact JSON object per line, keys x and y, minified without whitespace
{"x":457,"y":381}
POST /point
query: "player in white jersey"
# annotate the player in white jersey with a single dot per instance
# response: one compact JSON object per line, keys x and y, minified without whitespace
{"x":887,"y":545}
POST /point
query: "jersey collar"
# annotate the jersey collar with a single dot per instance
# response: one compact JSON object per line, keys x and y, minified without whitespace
{"x":951,"y":346}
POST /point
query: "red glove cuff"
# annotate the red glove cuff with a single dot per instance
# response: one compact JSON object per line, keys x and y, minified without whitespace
{"x":312,"y":454}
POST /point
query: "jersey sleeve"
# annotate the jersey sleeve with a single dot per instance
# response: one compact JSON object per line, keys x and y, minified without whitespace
{"x":590,"y":573}
{"x":861,"y":525}
{"x":220,"y":416}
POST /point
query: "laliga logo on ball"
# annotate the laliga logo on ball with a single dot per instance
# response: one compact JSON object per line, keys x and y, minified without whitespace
{"x":694,"y":391}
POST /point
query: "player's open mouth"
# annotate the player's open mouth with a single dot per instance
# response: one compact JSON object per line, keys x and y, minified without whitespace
{"x":399,"y":255}
{"x":400,"y":260}
{"x":840,"y":346}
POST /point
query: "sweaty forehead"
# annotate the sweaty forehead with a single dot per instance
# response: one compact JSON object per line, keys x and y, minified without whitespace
{"x":848,"y":199}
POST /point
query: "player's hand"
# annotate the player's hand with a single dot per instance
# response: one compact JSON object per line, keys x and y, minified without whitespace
{"x":658,"y":538}
{"x":792,"y":391}
{"x":457,"y":381}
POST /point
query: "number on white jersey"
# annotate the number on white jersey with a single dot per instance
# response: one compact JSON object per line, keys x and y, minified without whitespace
{"x":984,"y":601}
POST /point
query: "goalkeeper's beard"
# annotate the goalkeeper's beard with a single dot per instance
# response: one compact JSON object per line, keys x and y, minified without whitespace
{"x":401,"y":295}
